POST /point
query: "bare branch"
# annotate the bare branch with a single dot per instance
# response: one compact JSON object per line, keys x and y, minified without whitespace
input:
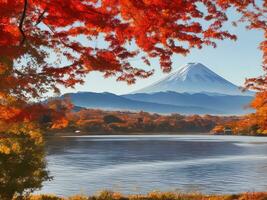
{"x":23,"y":16}
{"x":40,"y":18}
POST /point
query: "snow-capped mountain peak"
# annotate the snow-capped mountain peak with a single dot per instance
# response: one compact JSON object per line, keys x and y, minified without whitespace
{"x":192,"y":71}
{"x":194,"y":78}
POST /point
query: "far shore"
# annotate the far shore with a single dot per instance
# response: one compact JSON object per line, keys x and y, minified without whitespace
{"x":62,"y":134}
{"x":69,"y":133}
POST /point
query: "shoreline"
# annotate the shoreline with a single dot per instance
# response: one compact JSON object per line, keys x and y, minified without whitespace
{"x":108,"y":195}
{"x":73,"y":134}
{"x":123,"y":133}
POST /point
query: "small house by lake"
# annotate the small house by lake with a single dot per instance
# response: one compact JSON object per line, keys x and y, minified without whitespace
{"x":228,"y":131}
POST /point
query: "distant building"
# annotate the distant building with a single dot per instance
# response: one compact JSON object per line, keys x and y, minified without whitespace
{"x":227,"y":131}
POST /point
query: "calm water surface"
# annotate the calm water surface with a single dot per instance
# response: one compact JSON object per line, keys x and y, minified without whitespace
{"x":139,"y":164}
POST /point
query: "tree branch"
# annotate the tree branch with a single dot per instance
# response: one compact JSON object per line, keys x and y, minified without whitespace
{"x":23,"y":16}
{"x":40,"y":17}
{"x":61,"y":41}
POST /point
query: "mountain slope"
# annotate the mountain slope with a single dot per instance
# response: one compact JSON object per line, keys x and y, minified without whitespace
{"x":111,"y":101}
{"x":194,"y":78}
{"x":229,"y":104}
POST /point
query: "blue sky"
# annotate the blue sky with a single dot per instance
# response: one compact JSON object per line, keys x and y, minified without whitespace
{"x":234,"y":61}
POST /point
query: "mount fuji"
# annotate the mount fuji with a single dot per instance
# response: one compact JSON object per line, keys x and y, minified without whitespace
{"x":193,"y":89}
{"x":194,"y":78}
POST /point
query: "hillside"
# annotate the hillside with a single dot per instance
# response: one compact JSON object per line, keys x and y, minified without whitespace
{"x":109,"y":101}
{"x":226,"y":104}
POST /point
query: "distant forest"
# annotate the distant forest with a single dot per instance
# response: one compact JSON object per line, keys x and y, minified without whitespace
{"x":93,"y":121}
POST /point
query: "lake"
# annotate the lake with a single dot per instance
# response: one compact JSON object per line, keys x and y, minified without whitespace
{"x":140,"y":164}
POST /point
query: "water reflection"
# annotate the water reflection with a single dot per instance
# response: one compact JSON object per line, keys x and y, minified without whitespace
{"x":138,"y":164}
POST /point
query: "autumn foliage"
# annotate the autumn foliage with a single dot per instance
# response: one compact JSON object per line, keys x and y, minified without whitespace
{"x":260,"y":104}
{"x":152,"y":29}
{"x":45,"y":44}
{"x":22,"y":163}
{"x":108,"y":195}
{"x":253,"y":124}
{"x":90,"y":121}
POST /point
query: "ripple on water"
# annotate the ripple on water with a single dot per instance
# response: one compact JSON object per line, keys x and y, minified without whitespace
{"x":129,"y":164}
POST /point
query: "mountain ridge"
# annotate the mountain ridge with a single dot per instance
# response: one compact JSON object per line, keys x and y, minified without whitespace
{"x":227,"y":104}
{"x":110,"y":101}
{"x":194,"y":78}
{"x":165,"y":103}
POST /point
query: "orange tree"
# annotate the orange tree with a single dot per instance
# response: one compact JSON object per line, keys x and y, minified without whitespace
{"x":257,"y":19}
{"x":40,"y":47}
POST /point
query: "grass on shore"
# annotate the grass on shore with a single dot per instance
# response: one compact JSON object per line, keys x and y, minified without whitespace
{"x":156,"y":196}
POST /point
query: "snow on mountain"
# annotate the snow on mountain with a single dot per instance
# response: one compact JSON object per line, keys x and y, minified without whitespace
{"x":194,"y":78}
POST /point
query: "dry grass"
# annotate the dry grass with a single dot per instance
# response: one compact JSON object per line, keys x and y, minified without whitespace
{"x":106,"y":195}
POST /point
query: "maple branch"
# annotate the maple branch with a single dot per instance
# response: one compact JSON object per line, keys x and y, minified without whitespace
{"x":61,"y":41}
{"x":40,"y":17}
{"x":22,"y":21}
